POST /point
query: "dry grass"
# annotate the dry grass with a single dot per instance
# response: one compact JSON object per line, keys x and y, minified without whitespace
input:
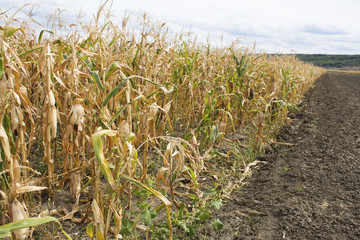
{"x":114,"y":111}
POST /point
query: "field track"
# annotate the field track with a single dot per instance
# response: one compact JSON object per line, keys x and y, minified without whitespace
{"x":309,"y":188}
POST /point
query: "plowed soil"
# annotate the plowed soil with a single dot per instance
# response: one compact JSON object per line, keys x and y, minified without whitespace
{"x":310,"y":187}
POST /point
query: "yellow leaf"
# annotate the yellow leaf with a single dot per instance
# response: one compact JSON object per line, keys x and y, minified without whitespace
{"x":99,"y":153}
{"x":8,"y":31}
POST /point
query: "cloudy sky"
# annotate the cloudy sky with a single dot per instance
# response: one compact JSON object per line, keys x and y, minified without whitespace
{"x":277,"y":26}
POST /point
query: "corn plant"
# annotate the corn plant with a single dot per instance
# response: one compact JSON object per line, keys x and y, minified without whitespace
{"x":113,"y":111}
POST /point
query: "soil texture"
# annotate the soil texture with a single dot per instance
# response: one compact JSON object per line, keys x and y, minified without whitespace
{"x":309,"y":186}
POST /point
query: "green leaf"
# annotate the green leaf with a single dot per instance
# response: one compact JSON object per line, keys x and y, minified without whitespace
{"x":102,"y":124}
{"x":216,"y":204}
{"x":117,"y":88}
{"x":111,"y":70}
{"x":87,"y":62}
{"x":147,"y":217}
{"x":214,"y":132}
{"x":204,"y":121}
{"x":210,"y":192}
{"x":4,"y":235}
{"x":114,"y":41}
{"x":104,"y":27}
{"x":181,"y":211}
{"x":157,"y":194}
{"x":229,"y":115}
{"x":126,"y":227}
{"x":192,"y":230}
{"x":114,"y":91}
{"x":99,"y":154}
{"x":96,"y":78}
{"x":29,"y":51}
{"x":29,"y":222}
{"x":185,"y":227}
{"x":117,"y":114}
{"x":90,"y":229}
{"x":217,"y":224}
{"x":203,"y":216}
{"x":124,"y":108}
{"x":149,"y":190}
{"x":41,"y":35}
{"x":192,"y":174}
{"x":220,"y":154}
{"x":193,"y":196}
{"x":241,"y":67}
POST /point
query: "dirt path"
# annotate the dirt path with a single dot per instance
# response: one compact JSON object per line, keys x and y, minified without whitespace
{"x":310,"y":190}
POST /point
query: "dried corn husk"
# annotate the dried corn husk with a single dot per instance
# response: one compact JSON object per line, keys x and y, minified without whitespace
{"x":18,"y":213}
{"x":51,"y":114}
{"x":5,"y":143}
{"x":15,"y":98}
{"x":167,"y":106}
{"x":77,"y":114}
{"x":53,"y":122}
{"x":153,"y":110}
{"x":3,"y":88}
{"x":51,"y":99}
{"x":124,"y":128}
{"x":14,"y":117}
{"x":76,"y":184}
{"x":23,"y":90}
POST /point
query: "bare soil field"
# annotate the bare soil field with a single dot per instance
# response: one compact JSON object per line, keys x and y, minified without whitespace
{"x":309,"y":187}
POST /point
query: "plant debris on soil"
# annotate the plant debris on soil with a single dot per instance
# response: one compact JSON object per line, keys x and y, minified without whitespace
{"x":309,"y":187}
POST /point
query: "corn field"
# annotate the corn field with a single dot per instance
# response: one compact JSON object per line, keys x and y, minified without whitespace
{"x":127,"y":122}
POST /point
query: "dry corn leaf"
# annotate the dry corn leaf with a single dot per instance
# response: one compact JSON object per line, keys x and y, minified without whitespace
{"x":167,"y":154}
{"x":118,"y":220}
{"x":160,"y":176}
{"x":61,"y":82}
{"x":25,"y":189}
{"x":180,"y":159}
{"x":98,"y":220}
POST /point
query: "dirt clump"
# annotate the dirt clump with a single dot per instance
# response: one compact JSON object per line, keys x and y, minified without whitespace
{"x":309,"y":188}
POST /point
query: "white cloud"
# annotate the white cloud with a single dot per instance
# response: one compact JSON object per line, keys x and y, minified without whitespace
{"x":278,"y":25}
{"x":324,"y":30}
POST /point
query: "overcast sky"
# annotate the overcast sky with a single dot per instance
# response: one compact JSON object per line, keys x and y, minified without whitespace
{"x":277,"y":26}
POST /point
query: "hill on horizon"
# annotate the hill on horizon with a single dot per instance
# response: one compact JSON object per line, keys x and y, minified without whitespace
{"x":330,"y":61}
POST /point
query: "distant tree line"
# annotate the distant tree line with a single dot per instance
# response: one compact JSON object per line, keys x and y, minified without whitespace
{"x":331,"y":61}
